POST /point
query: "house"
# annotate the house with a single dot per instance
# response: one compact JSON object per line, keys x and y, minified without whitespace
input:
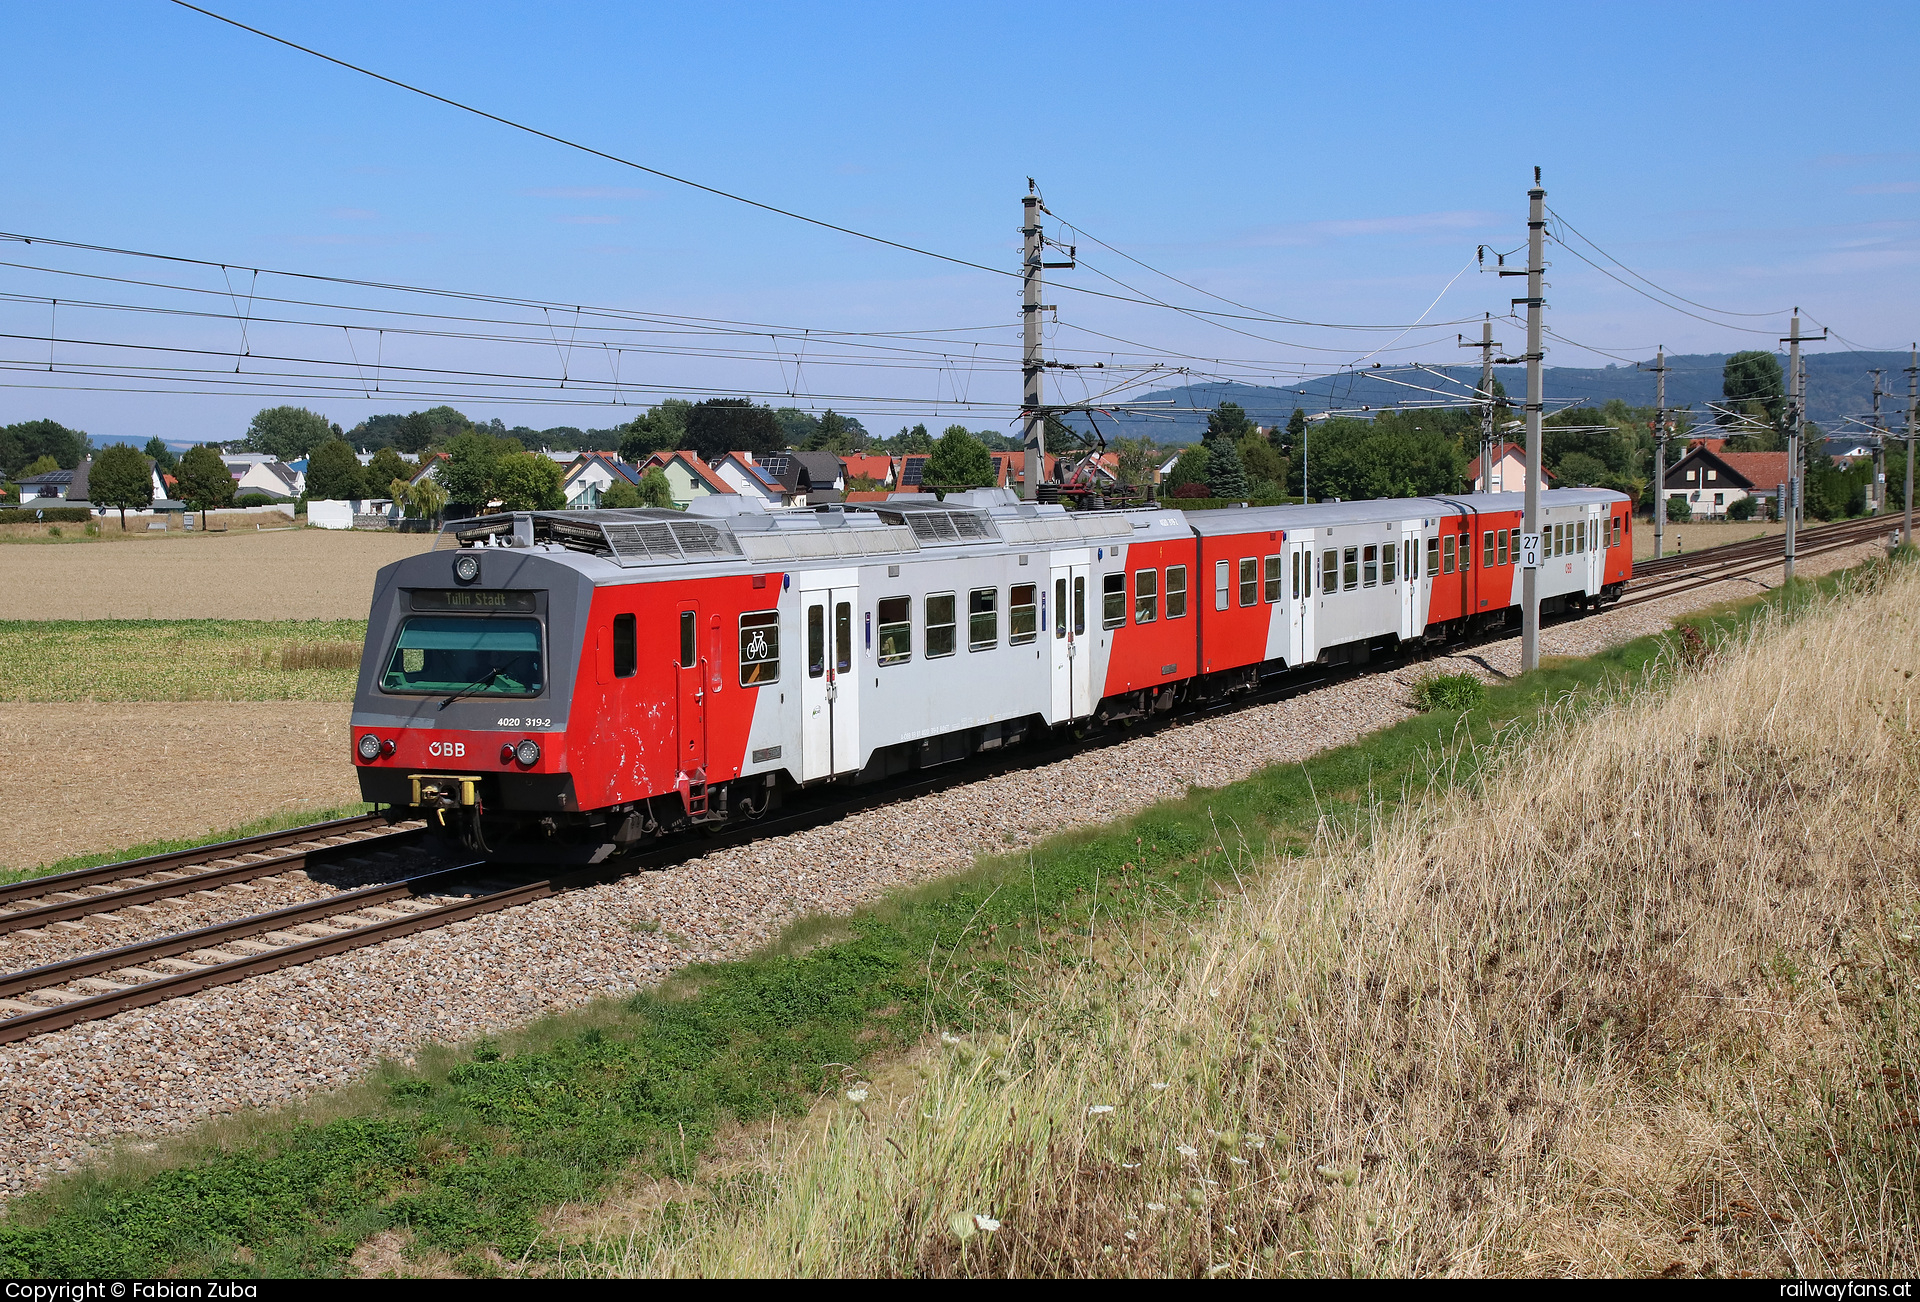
{"x":70,"y":486}
{"x":262,"y":472}
{"x":860,"y":465}
{"x":688,"y":477}
{"x":591,"y":475}
{"x":1710,"y":480}
{"x":1010,"y":469}
{"x":749,"y":478}
{"x":1509,"y":471}
{"x":806,"y":477}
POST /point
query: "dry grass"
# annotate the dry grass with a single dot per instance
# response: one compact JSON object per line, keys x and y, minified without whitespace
{"x":1636,"y":999}
{"x":296,"y":574}
{"x":179,"y":660}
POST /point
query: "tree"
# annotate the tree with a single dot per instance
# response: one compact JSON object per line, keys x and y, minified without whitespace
{"x":832,"y":435}
{"x":1191,"y":468}
{"x":1742,"y":509}
{"x":527,"y":481}
{"x":910,"y":441}
{"x":387,"y":466}
{"x":1578,"y":470}
{"x":1264,"y":465}
{"x":120,"y":477}
{"x":44,"y":465}
{"x":25,"y":443}
{"x":1679,"y":510}
{"x":1356,"y":459}
{"x":205,"y":482}
{"x":288,"y":432}
{"x":621,"y":496}
{"x":1296,"y":427}
{"x":1137,"y":459}
{"x":1754,"y":377}
{"x":423,"y":500}
{"x":655,"y":490}
{"x":797,"y":428}
{"x":664,"y":429}
{"x":959,"y":460}
{"x":1226,"y":476}
{"x":163,"y":459}
{"x":722,"y":425}
{"x":1227,"y":421}
{"x":334,"y":473}
{"x":467,"y":473}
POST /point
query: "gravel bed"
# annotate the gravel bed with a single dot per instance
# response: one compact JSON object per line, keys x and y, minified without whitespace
{"x":281,"y":1036}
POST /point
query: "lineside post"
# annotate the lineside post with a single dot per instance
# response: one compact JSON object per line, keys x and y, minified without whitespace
{"x":1660,"y":369}
{"x":1536,"y":401}
{"x":1033,"y":420}
{"x":1913,"y":418}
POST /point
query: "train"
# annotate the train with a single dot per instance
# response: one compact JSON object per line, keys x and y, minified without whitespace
{"x":572,"y":685}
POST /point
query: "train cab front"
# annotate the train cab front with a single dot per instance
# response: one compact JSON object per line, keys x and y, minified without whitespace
{"x":460,"y":712}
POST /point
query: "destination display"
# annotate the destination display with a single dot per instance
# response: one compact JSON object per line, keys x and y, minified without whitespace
{"x":470,"y":599}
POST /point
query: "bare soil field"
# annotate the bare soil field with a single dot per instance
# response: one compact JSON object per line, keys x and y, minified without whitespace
{"x":85,"y":777}
{"x":294,"y":574}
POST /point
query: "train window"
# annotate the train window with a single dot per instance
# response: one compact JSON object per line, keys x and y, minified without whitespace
{"x":1500,"y":546}
{"x":1410,"y":559}
{"x":1616,"y":530}
{"x":1146,"y":596}
{"x":1079,"y":604}
{"x":759,"y":648}
{"x":940,"y":625}
{"x":1486,"y":550}
{"x":983,"y":619}
{"x":816,"y":641}
{"x":484,"y":656}
{"x":1059,"y":607}
{"x":1581,"y":536}
{"x":1513,"y":545}
{"x":1176,"y":591}
{"x":1296,"y":572}
{"x":1387,"y":557}
{"x":843,"y":637}
{"x":1433,"y":556}
{"x":686,"y":639}
{"x":1446,"y":554}
{"x":1350,"y":569}
{"x":1466,"y":552}
{"x":1274,"y":577}
{"x":1329,"y":571}
{"x":1370,"y":566}
{"x":1021,"y":612}
{"x":1220,"y":583}
{"x":896,"y":630}
{"x":626,"y":646}
{"x":1249,"y":581}
{"x":1113,"y":601}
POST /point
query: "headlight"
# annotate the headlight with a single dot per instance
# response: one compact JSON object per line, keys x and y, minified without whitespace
{"x":527,"y":752}
{"x":466,"y":568}
{"x":369,"y":748}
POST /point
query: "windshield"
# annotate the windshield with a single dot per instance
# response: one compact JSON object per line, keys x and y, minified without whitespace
{"x":483,"y":656}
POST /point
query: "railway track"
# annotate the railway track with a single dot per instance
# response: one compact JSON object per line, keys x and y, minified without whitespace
{"x":1680,"y":574}
{"x":61,"y":994}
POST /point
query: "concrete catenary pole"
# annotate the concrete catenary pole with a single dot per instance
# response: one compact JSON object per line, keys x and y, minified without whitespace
{"x":1486,"y":347}
{"x":1536,"y":402}
{"x":1877,"y":491}
{"x":1913,"y":418}
{"x":1033,"y":420}
{"x":1660,"y":454}
{"x":1792,"y":507}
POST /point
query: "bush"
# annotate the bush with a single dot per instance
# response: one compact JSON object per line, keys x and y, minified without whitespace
{"x":1460,"y":691}
{"x":1192,"y":490}
{"x":1679,"y":511}
{"x":1741,"y":510}
{"x":46,"y":515}
{"x":254,"y":499}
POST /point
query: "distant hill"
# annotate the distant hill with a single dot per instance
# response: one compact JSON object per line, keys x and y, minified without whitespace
{"x":1837,"y":385}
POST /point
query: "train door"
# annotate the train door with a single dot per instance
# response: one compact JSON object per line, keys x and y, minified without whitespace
{"x":1300,"y":648}
{"x":1072,"y":654}
{"x":1413,"y":618}
{"x":830,"y":692}
{"x":691,"y":748}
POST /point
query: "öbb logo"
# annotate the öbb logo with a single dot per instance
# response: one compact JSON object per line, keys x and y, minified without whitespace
{"x":447,"y":749}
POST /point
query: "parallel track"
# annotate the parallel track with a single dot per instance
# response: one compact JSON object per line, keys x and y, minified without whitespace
{"x":80,"y":989}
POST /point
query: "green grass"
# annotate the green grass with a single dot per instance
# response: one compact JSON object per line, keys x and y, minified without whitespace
{"x":467,"y":1150}
{"x":1460,"y":691}
{"x":179,"y":659}
{"x":272,"y":823}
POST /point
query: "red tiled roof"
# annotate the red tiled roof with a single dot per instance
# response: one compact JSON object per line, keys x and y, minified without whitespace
{"x":1764,"y":470}
{"x":695,"y":466}
{"x":874,"y":466}
{"x":866,"y":495}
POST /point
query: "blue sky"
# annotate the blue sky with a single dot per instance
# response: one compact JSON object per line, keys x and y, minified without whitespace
{"x":1328,"y":163}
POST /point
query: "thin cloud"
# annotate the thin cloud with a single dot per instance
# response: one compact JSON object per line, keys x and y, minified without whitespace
{"x":590,"y":192}
{"x":587,"y":219}
{"x":1890,"y":187}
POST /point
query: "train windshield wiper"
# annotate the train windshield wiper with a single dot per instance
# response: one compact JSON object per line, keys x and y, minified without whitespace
{"x":471,"y":688}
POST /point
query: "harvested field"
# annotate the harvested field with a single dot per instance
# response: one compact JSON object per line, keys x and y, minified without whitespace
{"x":296,"y":574}
{"x":89,"y":777}
{"x":180,"y":660}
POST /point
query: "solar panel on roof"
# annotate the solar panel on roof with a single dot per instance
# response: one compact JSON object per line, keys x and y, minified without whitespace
{"x":914,"y":468}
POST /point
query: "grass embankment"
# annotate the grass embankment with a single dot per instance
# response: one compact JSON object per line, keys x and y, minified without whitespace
{"x":180,"y":659}
{"x":468,"y":1156}
{"x":256,"y":827}
{"x":1637,"y":995}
